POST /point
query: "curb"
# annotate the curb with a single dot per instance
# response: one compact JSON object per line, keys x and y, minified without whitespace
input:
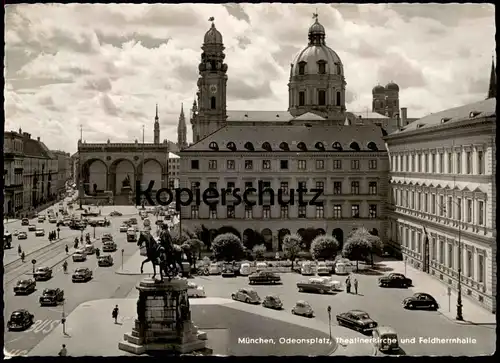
{"x":464,"y":322}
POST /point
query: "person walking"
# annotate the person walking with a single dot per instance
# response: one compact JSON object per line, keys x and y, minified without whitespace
{"x":66,"y":249}
{"x":65,"y":267}
{"x":63,"y":352}
{"x":19,"y":250}
{"x":22,"y":256}
{"x":356,"y":286}
{"x":114,"y":314}
{"x":348,"y":284}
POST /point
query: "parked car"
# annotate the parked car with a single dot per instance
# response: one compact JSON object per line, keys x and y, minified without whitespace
{"x":322,"y":269}
{"x":20,"y":320}
{"x":227,"y":271}
{"x":385,"y":339}
{"x":214,"y":269}
{"x":315,"y":285}
{"x":133,"y":220}
{"x":31,"y":228}
{"x":109,"y":246}
{"x":82,"y":274}
{"x":43,"y":273}
{"x":79,"y":256}
{"x":22,"y":235}
{"x":52,"y":219}
{"x":89,"y":248}
{"x":394,"y":280}
{"x":105,"y":261}
{"x":24,"y":287}
{"x":307,"y":268}
{"x":249,"y":296}
{"x":344,"y":267}
{"x":51,"y":297}
{"x":131,"y":235}
{"x":123,"y":228}
{"x":261,"y":266}
{"x":420,"y":300}
{"x":25,"y":222}
{"x":303,"y":308}
{"x":41,"y":219}
{"x":106,"y":237}
{"x":195,"y":290}
{"x":335,"y":284}
{"x":115,"y":214}
{"x":357,"y":320}
{"x":264,"y":277}
{"x":272,"y":302}
{"x":40,"y":232}
{"x":245,"y":269}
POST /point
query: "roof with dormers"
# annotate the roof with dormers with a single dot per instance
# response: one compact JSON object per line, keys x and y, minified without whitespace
{"x":292,"y":135}
{"x":485,"y":108}
{"x":36,"y":148}
{"x":268,"y":116}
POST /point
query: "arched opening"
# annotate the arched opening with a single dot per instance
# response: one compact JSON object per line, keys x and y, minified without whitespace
{"x":248,"y":238}
{"x":281,"y":235}
{"x":211,"y":235}
{"x":123,"y":174}
{"x":213,"y":103}
{"x":374,"y":232}
{"x":229,"y":229}
{"x":151,"y":171}
{"x":339,"y":236}
{"x":95,"y":176}
{"x":267,"y":234}
{"x":321,"y":97}
{"x":320,"y":231}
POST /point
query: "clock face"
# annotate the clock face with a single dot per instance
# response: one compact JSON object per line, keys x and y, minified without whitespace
{"x":213,"y":88}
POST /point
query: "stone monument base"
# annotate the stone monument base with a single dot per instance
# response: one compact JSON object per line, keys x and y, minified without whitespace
{"x":163,"y":323}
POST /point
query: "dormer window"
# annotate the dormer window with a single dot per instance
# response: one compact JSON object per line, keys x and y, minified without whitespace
{"x":213,"y":145}
{"x":372,"y":146}
{"x":284,"y":146}
{"x":474,"y":114}
{"x":249,"y":146}
{"x":321,"y":67}
{"x":321,"y":97}
{"x":267,"y":146}
{"x":338,"y":69}
{"x":302,"y":146}
{"x":337,"y":146}
{"x":302,"y":68}
{"x":231,"y":146}
{"x":319,"y":145}
{"x":445,"y":119}
{"x":354,"y":145}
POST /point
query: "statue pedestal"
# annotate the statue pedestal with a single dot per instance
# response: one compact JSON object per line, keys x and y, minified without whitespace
{"x":163,"y":321}
{"x":126,"y":190}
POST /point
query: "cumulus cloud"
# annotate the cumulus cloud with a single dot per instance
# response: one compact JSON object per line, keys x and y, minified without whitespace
{"x":106,"y":66}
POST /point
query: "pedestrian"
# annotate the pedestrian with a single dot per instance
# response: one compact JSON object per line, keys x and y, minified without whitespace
{"x":63,"y":352}
{"x":356,"y":286}
{"x":66,"y":249}
{"x":19,"y":250}
{"x":22,"y":256}
{"x":114,"y":314}
{"x":348,"y":284}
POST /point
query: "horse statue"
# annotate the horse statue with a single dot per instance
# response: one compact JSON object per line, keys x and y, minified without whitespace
{"x":170,"y":256}
{"x":152,"y":251}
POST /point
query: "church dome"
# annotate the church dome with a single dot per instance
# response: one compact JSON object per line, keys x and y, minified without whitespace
{"x":378,"y":89}
{"x":391,"y":86}
{"x":317,"y":28}
{"x":213,"y":36}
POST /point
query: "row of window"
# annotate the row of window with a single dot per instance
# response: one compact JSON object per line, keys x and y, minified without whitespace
{"x":413,"y":241}
{"x":284,"y":211}
{"x":443,"y":206}
{"x":321,"y":94}
{"x":321,"y":68}
{"x":337,"y":186}
{"x":450,"y":163}
{"x":284,"y":164}
{"x":301,"y":146}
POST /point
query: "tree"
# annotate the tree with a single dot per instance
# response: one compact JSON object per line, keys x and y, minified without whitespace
{"x":253,"y":238}
{"x":357,"y":248}
{"x":229,"y":229}
{"x":376,"y":244}
{"x":180,"y":238}
{"x":324,"y":246}
{"x":227,"y":247}
{"x":194,"y":249}
{"x":292,"y":245}
{"x":308,"y":235}
{"x":203,"y":234}
{"x":259,"y":251}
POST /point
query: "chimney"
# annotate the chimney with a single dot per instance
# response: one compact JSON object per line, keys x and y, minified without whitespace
{"x":38,"y":138}
{"x":404,"y":116}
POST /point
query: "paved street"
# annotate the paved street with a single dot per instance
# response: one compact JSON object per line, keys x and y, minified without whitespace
{"x":105,"y":284}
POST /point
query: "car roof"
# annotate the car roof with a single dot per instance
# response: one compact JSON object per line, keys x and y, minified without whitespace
{"x":24,"y":280}
{"x":357,"y":312}
{"x":272,"y":296}
{"x":19,"y":311}
{"x":422,"y":293}
{"x":386,"y":330}
{"x":49,"y":289}
{"x":81,"y":269}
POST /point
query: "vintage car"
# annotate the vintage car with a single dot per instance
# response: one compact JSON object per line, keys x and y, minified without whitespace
{"x":123,"y":228}
{"x":41,"y":219}
{"x":20,"y":320}
{"x":420,"y":300}
{"x":264,"y":277}
{"x":131,"y":235}
{"x":40,"y":232}
{"x":79,"y":256}
{"x":227,"y":271}
{"x":303,"y":308}
{"x":7,"y":240}
{"x":82,"y":274}
{"x":51,"y":297}
{"x":43,"y":273}
{"x":245,"y":269}
{"x":335,"y":284}
{"x":106,"y":237}
{"x":357,"y":320}
{"x":25,"y":222}
{"x":316,"y":285}
{"x":195,"y":290}
{"x":272,"y":302}
{"x":52,"y":219}
{"x":31,"y":228}
{"x":249,"y":296}
{"x":385,"y":339}
{"x":24,"y":287}
{"x":344,"y":267}
{"x":307,"y":268}
{"x":394,"y":280}
{"x":22,"y":235}
{"x":109,"y":246}
{"x":261,"y":266}
{"x":105,"y":261}
{"x":133,"y":220}
{"x":214,"y":269}
{"x":15,"y":233}
{"x":89,"y":248}
{"x":322,"y":269}
{"x":115,"y":214}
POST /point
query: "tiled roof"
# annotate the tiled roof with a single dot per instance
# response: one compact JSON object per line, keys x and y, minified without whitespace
{"x":36,"y":148}
{"x":368,"y":115}
{"x":292,"y":135}
{"x":483,"y":108}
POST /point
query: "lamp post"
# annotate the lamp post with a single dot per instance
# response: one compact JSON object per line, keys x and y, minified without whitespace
{"x":123,"y":250}
{"x":63,"y":318}
{"x":329,"y":310}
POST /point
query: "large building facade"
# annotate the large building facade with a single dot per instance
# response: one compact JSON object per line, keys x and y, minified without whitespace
{"x":63,"y":170}
{"x":442,"y":182}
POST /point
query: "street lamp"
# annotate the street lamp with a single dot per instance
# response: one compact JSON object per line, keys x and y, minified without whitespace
{"x":123,"y":250}
{"x":329,"y":310}
{"x":63,"y":318}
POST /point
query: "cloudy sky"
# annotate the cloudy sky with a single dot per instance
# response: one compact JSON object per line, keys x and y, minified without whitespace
{"x":106,"y":66}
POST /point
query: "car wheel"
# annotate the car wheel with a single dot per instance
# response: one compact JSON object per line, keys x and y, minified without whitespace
{"x":339,"y":323}
{"x":293,"y":312}
{"x":301,"y":289}
{"x":321,"y":291}
{"x":410,"y":306}
{"x":233,"y":296}
{"x":247,"y":300}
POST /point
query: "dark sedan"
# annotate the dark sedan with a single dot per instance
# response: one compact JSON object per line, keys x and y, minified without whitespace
{"x":420,"y":300}
{"x":264,"y":278}
{"x":51,"y":297}
{"x":20,"y":320}
{"x":357,"y":320}
{"x":394,"y":280}
{"x":82,"y":274}
{"x":25,"y":287}
{"x":43,"y":274}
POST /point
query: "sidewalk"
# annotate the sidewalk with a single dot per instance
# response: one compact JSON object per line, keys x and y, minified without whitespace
{"x":133,"y":266}
{"x":473,"y":313}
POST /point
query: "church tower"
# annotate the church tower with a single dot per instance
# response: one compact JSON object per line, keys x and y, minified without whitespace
{"x":492,"y":90}
{"x":182,"y":131}
{"x":211,"y":111}
{"x":157,"y":127}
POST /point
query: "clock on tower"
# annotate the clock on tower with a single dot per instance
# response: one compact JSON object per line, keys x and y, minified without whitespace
{"x":213,"y":88}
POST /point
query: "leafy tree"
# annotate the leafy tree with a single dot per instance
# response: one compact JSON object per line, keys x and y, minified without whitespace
{"x":308,"y":235}
{"x":180,"y":238}
{"x":324,"y":246}
{"x":357,"y":248}
{"x":292,"y":245}
{"x":193,"y":246}
{"x":253,"y":238}
{"x":259,"y":251}
{"x":376,"y":244}
{"x":203,"y":234}
{"x":229,"y":229}
{"x":227,"y":247}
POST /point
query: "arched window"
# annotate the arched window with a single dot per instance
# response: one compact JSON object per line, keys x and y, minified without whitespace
{"x":354,"y":145}
{"x":267,"y":146}
{"x":319,"y":145}
{"x":231,"y":146}
{"x":372,"y":146}
{"x":302,"y":146}
{"x":284,"y":146}
{"x":338,"y":68}
{"x":302,"y":68}
{"x":213,"y":145}
{"x":321,"y":67}
{"x":337,"y":146}
{"x":338,"y":98}
{"x":213,"y":103}
{"x":321,"y":97}
{"x":302,"y":98}
{"x":249,"y":146}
